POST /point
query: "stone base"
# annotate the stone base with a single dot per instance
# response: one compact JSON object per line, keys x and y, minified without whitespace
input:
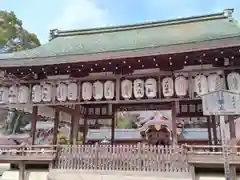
{"x":114,"y":175}
{"x":29,"y":175}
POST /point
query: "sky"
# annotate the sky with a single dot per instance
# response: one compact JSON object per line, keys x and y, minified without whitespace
{"x":41,"y":16}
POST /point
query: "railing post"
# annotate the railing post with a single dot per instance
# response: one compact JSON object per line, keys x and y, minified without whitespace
{"x":97,"y":158}
{"x":192,"y":171}
{"x":21,"y":171}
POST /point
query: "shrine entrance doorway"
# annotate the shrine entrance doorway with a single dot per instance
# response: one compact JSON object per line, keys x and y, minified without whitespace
{"x":151,"y":123}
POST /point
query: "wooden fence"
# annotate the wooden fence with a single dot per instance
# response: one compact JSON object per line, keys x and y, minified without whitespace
{"x":9,"y":153}
{"x":123,"y":158}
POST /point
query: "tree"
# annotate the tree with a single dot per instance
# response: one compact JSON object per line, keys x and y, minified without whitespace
{"x":13,"y":37}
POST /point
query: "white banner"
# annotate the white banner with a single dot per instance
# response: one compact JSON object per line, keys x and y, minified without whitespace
{"x":221,"y":102}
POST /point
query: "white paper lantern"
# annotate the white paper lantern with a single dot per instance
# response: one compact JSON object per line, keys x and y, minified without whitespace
{"x":36,"y":93}
{"x":214,"y":82}
{"x":87,"y":91}
{"x":151,"y":88}
{"x":109,"y":90}
{"x":138,"y":88}
{"x":167,"y":87}
{"x":201,"y":84}
{"x":98,"y":90}
{"x":72,"y":92}
{"x":3,"y":95}
{"x":23,"y":94}
{"x":181,"y":86}
{"x":126,"y":89}
{"x":13,"y":94}
{"x":47,"y":92}
{"x":233,"y":81}
{"x":62,"y":89}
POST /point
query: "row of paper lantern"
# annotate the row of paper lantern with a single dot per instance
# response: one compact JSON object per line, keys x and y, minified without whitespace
{"x":64,"y":92}
{"x":137,"y":88}
{"x":169,"y":86}
{"x":97,"y":90}
{"x":205,"y":84}
{"x":214,"y":82}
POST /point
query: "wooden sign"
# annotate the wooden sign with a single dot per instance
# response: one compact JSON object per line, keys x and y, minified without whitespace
{"x":221,"y":102}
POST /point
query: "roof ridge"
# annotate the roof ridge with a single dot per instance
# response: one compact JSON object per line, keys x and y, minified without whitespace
{"x":221,"y":15}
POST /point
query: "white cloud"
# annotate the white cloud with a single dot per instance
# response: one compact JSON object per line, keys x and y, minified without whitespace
{"x":185,"y":8}
{"x":81,"y":14}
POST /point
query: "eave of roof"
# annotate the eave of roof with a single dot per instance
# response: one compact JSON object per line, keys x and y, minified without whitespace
{"x":165,"y":37}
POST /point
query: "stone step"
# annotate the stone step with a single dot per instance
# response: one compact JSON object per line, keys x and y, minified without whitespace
{"x":115,"y":175}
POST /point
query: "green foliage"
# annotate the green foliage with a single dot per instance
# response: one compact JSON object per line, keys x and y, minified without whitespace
{"x":13,"y":35}
{"x":126,"y":122}
{"x":13,"y":121}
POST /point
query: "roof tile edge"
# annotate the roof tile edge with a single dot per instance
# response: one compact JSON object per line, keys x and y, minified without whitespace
{"x":227,"y":13}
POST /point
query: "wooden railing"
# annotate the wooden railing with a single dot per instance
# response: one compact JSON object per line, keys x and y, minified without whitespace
{"x":120,"y":157}
{"x":212,"y":154}
{"x":27,"y":153}
{"x":123,"y":158}
{"x":210,"y":149}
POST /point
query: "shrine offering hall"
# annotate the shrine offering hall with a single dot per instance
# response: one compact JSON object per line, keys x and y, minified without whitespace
{"x":130,"y":84}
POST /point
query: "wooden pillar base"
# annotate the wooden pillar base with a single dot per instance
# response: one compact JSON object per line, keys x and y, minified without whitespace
{"x":192,"y":171}
{"x":22,"y":171}
{"x":233,"y":174}
{"x":174,"y":125}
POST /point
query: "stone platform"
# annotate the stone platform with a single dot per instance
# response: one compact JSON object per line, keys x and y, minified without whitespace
{"x":114,"y":175}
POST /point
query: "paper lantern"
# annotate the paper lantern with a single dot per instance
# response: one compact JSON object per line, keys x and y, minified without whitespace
{"x":214,"y":82}
{"x":151,"y":88}
{"x":47,"y":92}
{"x":36,"y":93}
{"x":13,"y":94}
{"x":109,"y":90}
{"x":98,"y":90}
{"x":72,"y":92}
{"x":201,"y":84}
{"x":62,"y":89}
{"x":233,"y":81}
{"x":23,"y":94}
{"x":3,"y":95}
{"x":126,"y":89}
{"x":87,"y":91}
{"x":167,"y":87}
{"x":181,"y":86}
{"x":138,"y":88}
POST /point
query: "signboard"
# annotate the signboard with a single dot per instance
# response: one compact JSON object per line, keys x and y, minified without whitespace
{"x":221,"y":102}
{"x":225,"y":148}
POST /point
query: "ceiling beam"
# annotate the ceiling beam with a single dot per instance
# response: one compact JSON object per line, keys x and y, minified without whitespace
{"x":64,"y":109}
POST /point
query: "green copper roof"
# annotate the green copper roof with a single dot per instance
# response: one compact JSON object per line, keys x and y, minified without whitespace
{"x":134,"y":37}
